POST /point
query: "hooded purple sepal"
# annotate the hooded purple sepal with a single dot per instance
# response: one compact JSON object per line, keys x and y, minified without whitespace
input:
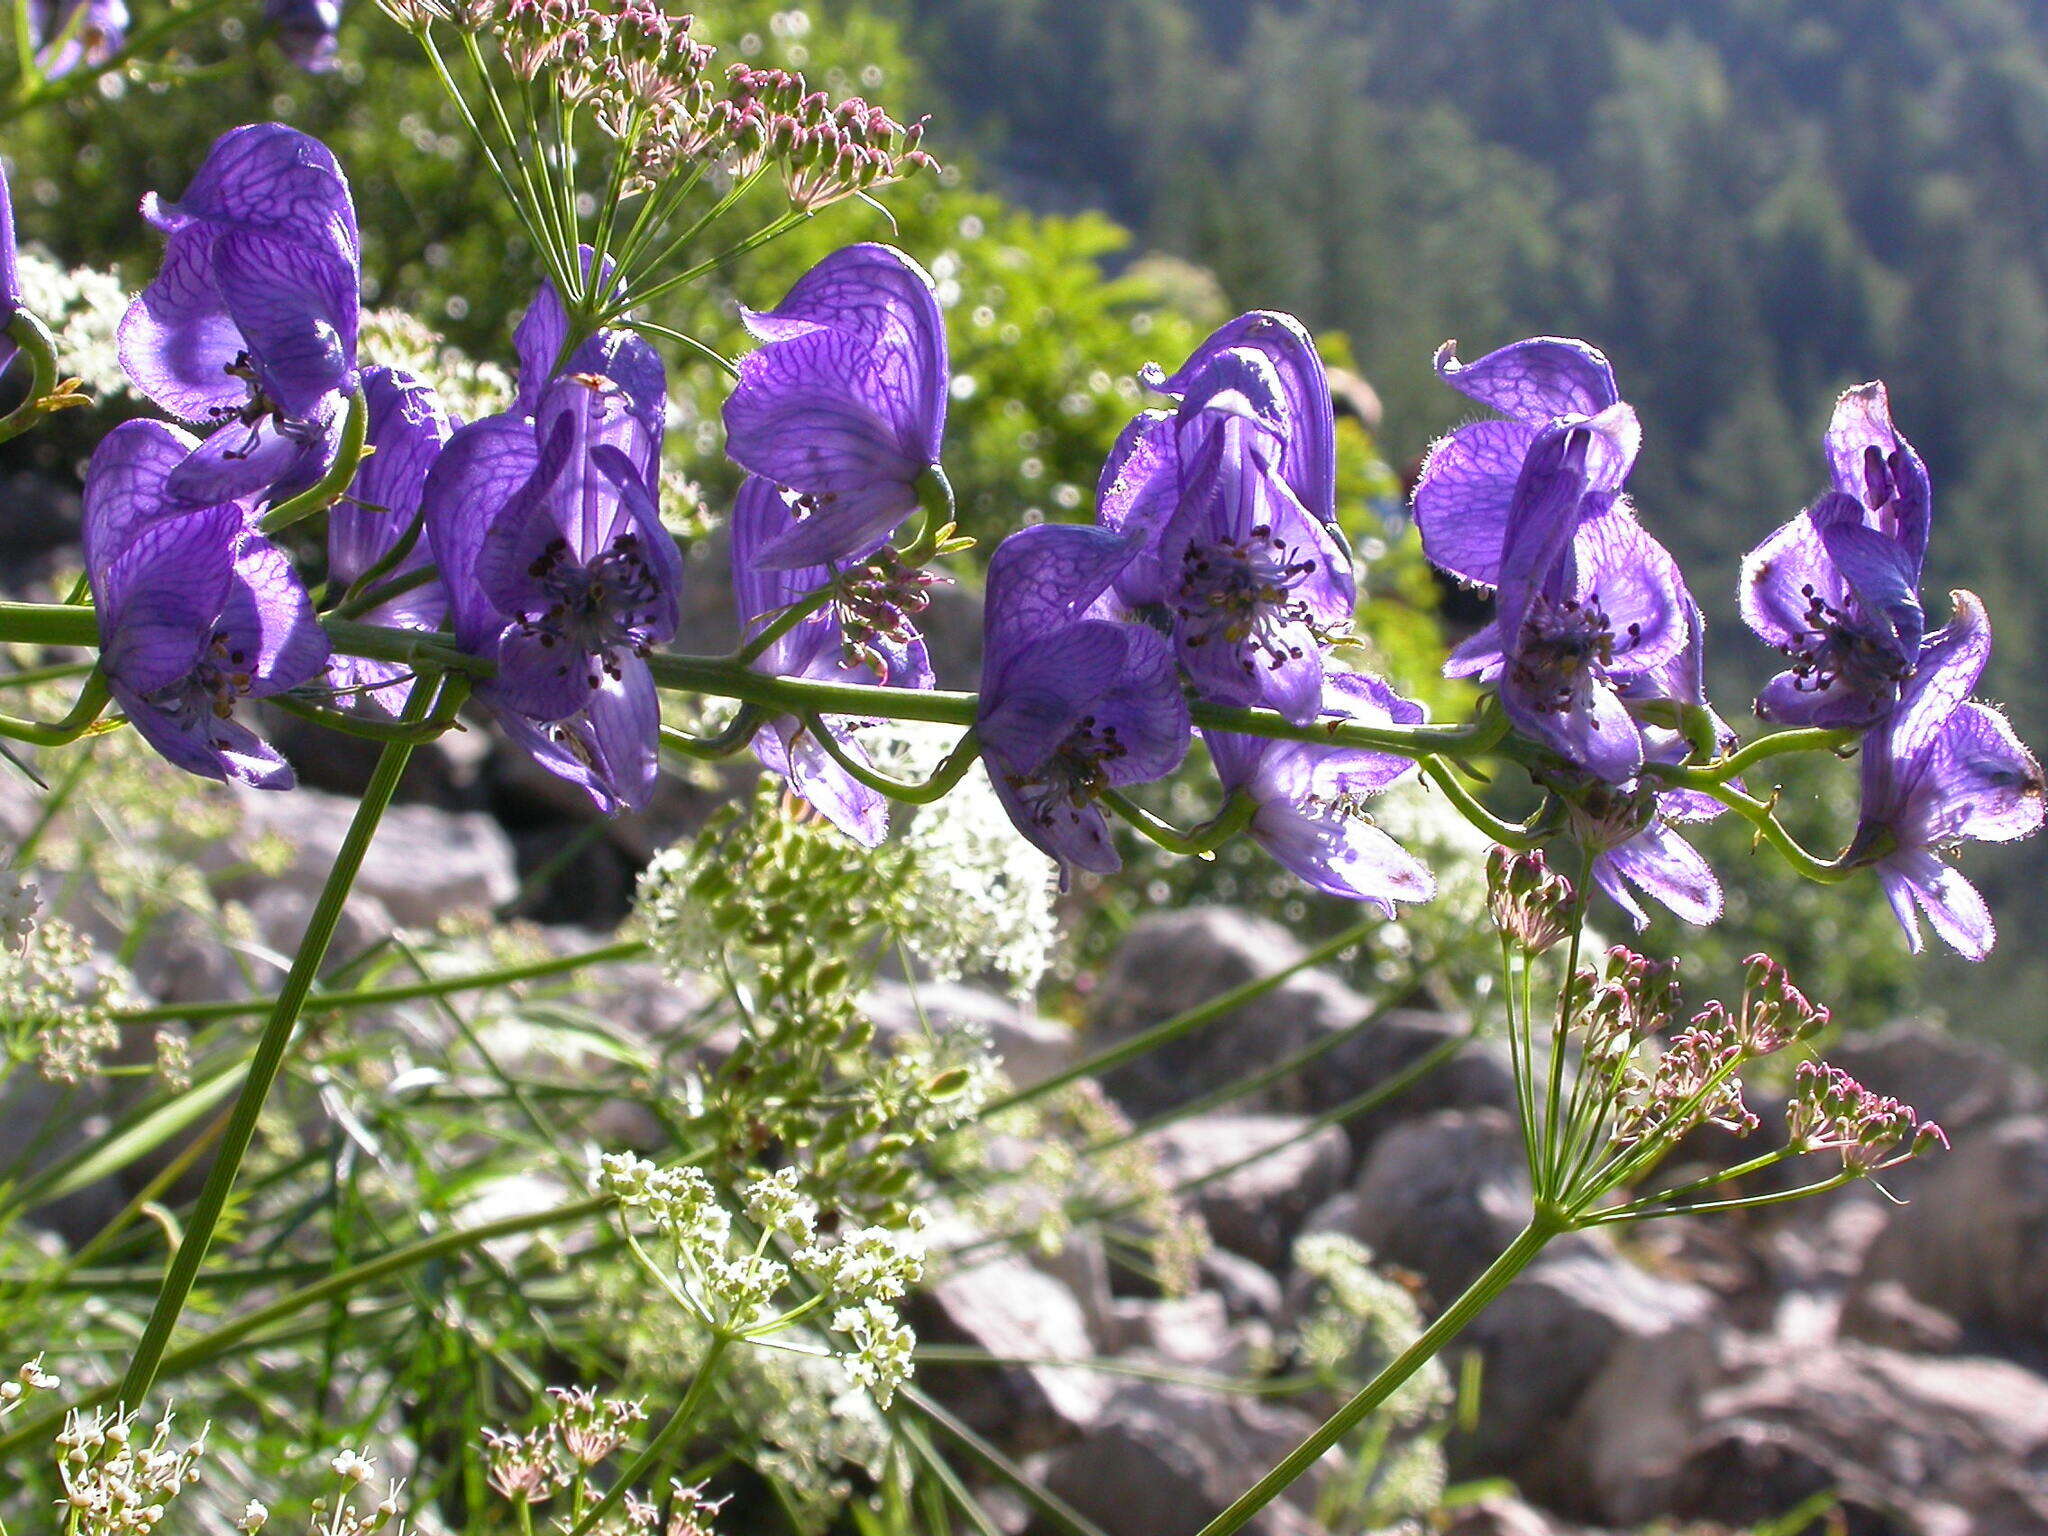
{"x":1306,"y":427}
{"x":308,"y":31}
{"x":1463,"y":500}
{"x":556,"y":566}
{"x":814,"y":648}
{"x":255,"y":310}
{"x":1311,"y":813}
{"x":1942,"y":770}
{"x":408,"y":429}
{"x":844,"y":402}
{"x":1586,"y":603}
{"x":10,"y":272}
{"x":1071,"y":704}
{"x":1837,"y":589}
{"x":196,"y":610}
{"x":541,"y":334}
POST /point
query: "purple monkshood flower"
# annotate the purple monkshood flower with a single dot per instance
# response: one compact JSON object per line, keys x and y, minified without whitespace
{"x":1310,"y":798}
{"x":196,"y":609}
{"x":251,"y":322}
{"x":307,"y":31}
{"x":69,"y":33}
{"x":1306,"y":425}
{"x":1248,"y":577}
{"x":844,"y":402}
{"x":1941,"y":770}
{"x":1587,"y":602}
{"x":1837,"y":589}
{"x":557,"y":567}
{"x":10,"y":273}
{"x":407,"y":428}
{"x":1071,"y":703}
{"x":815,"y":648}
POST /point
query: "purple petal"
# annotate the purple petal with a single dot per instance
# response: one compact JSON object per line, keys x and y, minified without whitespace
{"x":1598,"y":734}
{"x":1953,"y":906}
{"x":1899,"y":506}
{"x":1782,"y":576}
{"x":611,"y":750}
{"x":1026,"y":719}
{"x":1463,"y":498}
{"x":210,"y":747}
{"x":889,"y":303}
{"x":484,"y":465}
{"x":270,"y":617}
{"x":1542,"y":520}
{"x":267,"y":176}
{"x":760,"y":514}
{"x":1341,"y":855}
{"x":1148,"y":711}
{"x":264,"y":460}
{"x":541,"y":334}
{"x":1985,"y":785}
{"x":1074,"y":835}
{"x":1950,"y":664}
{"x":159,"y":599}
{"x":813,"y":412}
{"x":376,"y":687}
{"x":1639,"y":587}
{"x":1534,"y":381}
{"x":125,"y":485}
{"x":1308,"y":456}
{"x":1040,"y":579}
{"x":1139,"y":490}
{"x":540,"y":677}
{"x":786,"y":749}
{"x":306,"y":31}
{"x":1665,"y":867}
{"x":1885,"y":580}
{"x":177,"y":338}
{"x":297,"y":311}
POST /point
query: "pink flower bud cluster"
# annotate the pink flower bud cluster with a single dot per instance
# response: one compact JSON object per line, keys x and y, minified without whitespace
{"x":1693,"y":1083}
{"x":1830,"y":1110}
{"x":1775,"y":1013}
{"x":879,"y":603}
{"x":1527,"y":902}
{"x":1615,"y":1011}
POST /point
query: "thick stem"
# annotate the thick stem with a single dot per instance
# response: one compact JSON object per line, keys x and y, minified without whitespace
{"x":1434,"y":1339}
{"x":328,"y":489}
{"x":267,"y":1060}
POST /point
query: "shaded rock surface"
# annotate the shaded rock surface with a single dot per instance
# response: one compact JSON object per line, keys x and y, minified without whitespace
{"x":1265,"y":1174}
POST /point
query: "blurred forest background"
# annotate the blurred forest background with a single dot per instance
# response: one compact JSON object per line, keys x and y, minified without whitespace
{"x":1749,"y":205}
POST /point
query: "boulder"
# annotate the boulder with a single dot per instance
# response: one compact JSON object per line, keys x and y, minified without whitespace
{"x":423,"y":863}
{"x":1163,"y":1460}
{"x":1442,"y":1195}
{"x":1546,"y":1337}
{"x":1705,"y":1424}
{"x":1973,"y":1242}
{"x":1031,"y":1047}
{"x":1270,"y":1172}
{"x":1175,"y":961}
{"x":1960,"y":1084}
{"x":1249,"y":1291}
{"x":1012,"y":1310}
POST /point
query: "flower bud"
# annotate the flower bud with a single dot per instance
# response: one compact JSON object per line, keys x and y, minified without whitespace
{"x":1527,"y":902}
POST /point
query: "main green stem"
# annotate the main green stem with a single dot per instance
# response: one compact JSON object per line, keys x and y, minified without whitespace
{"x":1432,"y":1342}
{"x":268,"y":1059}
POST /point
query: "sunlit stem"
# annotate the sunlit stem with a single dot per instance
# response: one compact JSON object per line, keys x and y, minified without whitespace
{"x":524,"y":207}
{"x":643,"y":264}
{"x":951,"y":770}
{"x":1520,"y":1047}
{"x":84,"y":717}
{"x":669,"y":1436}
{"x":657,"y":205}
{"x":268,"y":1059}
{"x":1198,"y":841}
{"x":785,"y":620}
{"x":704,"y":350}
{"x":351,"y":604}
{"x":1762,"y":815}
{"x":1736,"y":1203}
{"x":1511,"y":834}
{"x":755,"y":241}
{"x":330,"y":487}
{"x":371,"y":599}
{"x":1427,"y":1346}
{"x":368,"y":729}
{"x":45,"y":394}
{"x":735,"y":737}
{"x":1546,"y":1176}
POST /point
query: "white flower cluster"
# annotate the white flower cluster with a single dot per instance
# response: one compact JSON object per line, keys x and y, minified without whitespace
{"x":468,"y":388}
{"x":57,"y":1001}
{"x":24,"y":1384}
{"x":82,"y":306}
{"x":116,"y":1484}
{"x":856,"y":1276}
{"x":21,"y":902}
{"x":983,"y":895}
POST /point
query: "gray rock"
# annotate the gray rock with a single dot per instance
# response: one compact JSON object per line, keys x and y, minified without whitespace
{"x":1962,"y":1084}
{"x":1709,"y":1425}
{"x":1442,"y":1195}
{"x":1973,"y":1242}
{"x":1175,"y":961}
{"x":1163,"y":1460}
{"x":1190,"y":1331}
{"x":1500,"y":1514}
{"x":1013,"y":1311}
{"x":1249,"y":1290}
{"x":1885,"y":1313}
{"x":423,"y":863}
{"x":1032,"y":1047}
{"x":1277,"y":1175}
{"x":1547,"y":1336}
